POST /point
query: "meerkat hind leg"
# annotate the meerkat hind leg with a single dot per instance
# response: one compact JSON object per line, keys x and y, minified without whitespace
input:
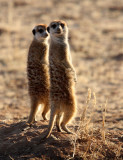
{"x":66,"y":118}
{"x":51,"y":122}
{"x":59,"y":115}
{"x":34,"y":107}
{"x":45,"y":110}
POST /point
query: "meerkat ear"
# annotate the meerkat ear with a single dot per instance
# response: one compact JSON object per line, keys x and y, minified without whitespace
{"x":33,"y":31}
{"x":48,"y":29}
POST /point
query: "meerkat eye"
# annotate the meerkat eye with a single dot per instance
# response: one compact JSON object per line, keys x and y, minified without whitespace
{"x":40,"y":30}
{"x":62,"y":25}
{"x":53,"y":26}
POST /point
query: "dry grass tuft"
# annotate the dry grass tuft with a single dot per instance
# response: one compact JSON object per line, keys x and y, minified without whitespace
{"x":91,"y":143}
{"x":103,"y":122}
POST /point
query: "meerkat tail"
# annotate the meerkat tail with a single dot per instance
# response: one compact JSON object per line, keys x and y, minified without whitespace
{"x":51,"y":123}
{"x":34,"y":107}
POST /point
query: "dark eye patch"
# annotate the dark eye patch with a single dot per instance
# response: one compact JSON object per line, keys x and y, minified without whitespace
{"x":62,"y":25}
{"x":40,"y":30}
{"x":53,"y":26}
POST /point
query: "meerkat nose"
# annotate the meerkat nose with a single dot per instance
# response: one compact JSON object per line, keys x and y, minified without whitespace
{"x":46,"y":34}
{"x":58,"y":29}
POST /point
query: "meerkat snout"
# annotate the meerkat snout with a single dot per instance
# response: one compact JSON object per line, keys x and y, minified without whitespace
{"x":58,"y":29}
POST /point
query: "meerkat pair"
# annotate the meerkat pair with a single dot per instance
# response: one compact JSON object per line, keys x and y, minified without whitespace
{"x":62,"y":80}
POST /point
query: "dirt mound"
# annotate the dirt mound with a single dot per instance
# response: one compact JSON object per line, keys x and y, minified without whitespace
{"x":20,"y":141}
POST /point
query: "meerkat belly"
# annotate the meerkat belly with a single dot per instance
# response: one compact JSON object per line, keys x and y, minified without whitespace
{"x":61,"y":84}
{"x":38,"y":79}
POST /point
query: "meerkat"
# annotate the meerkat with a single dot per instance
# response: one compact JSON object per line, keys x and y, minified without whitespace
{"x":38,"y":72}
{"x":62,"y":78}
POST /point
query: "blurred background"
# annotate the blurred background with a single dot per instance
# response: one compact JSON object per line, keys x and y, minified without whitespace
{"x":96,"y":42}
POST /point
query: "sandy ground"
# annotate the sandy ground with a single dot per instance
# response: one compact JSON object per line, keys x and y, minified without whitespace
{"x":96,"y":42}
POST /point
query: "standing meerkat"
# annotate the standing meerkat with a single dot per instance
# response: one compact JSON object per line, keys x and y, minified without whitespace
{"x":37,"y":72}
{"x":62,"y":78}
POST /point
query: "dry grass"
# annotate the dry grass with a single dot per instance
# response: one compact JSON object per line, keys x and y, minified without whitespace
{"x":91,"y":143}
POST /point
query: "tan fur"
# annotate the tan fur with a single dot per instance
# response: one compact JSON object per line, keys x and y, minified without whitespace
{"x":37,"y":72}
{"x":62,"y":79}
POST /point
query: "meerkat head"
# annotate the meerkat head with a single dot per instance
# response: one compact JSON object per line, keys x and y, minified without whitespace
{"x":40,"y":32}
{"x":58,"y":28}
